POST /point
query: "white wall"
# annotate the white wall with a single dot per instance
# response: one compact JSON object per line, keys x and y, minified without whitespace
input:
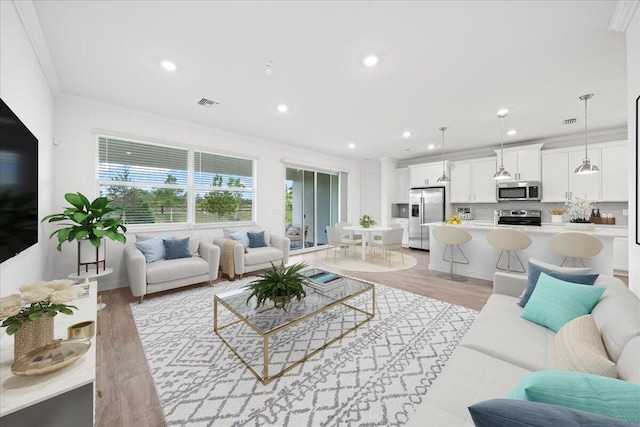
{"x":24,"y":88}
{"x":633,"y":89}
{"x":75,"y":166}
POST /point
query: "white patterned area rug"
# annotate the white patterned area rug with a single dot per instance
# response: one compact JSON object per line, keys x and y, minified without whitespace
{"x":374,"y":376}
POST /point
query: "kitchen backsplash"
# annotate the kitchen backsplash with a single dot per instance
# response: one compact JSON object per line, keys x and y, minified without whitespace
{"x":484,"y":211}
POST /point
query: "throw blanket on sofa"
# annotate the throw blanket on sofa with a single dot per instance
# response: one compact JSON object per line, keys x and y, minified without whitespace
{"x":228,"y":262}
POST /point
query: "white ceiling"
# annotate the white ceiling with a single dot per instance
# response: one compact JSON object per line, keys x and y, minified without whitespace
{"x":448,"y":64}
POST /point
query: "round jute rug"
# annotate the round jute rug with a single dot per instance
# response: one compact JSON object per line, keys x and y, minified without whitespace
{"x":375,"y":264}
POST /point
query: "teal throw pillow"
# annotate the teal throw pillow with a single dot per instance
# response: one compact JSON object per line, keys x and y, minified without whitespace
{"x":555,"y":302}
{"x":256,"y":239}
{"x":578,"y":275}
{"x":521,"y":413}
{"x":240,"y":236}
{"x":586,"y":392}
{"x":178,"y":248}
{"x":152,"y":249}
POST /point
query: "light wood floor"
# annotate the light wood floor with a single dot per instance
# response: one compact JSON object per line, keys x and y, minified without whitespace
{"x":126,"y":395}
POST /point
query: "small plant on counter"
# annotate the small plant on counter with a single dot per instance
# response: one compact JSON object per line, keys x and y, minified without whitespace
{"x":366,"y":221}
{"x":579,"y":209}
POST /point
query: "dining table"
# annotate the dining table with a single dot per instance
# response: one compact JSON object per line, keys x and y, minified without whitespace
{"x":366,"y":234}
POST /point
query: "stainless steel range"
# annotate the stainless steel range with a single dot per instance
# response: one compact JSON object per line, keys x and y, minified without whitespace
{"x":519,"y":217}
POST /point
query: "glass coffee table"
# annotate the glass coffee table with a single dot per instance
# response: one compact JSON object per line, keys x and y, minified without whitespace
{"x":341,"y":298}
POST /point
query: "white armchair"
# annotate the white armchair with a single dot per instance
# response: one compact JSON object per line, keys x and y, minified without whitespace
{"x":252,"y":259}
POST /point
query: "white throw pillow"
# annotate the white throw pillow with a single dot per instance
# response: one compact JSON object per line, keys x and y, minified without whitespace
{"x":579,"y":347}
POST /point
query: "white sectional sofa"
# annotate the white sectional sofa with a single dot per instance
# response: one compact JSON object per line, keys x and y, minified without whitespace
{"x":501,"y":348}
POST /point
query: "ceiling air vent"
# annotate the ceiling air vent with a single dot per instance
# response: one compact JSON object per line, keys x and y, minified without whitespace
{"x":207,"y":103}
{"x":569,"y":121}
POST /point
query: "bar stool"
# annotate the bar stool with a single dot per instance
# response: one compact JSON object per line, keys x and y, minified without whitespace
{"x":510,"y":241}
{"x":574,"y":245}
{"x":452,"y":237}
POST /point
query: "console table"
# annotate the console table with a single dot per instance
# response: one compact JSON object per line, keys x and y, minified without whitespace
{"x":61,"y":398}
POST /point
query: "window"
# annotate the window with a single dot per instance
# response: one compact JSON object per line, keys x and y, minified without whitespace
{"x":223,"y":187}
{"x":154,"y":184}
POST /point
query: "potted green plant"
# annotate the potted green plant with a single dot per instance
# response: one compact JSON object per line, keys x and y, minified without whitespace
{"x":88,"y":222}
{"x":280,"y":285}
{"x":366,"y":221}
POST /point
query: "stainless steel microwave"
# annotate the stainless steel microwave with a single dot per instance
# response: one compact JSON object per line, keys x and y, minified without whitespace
{"x":519,"y":190}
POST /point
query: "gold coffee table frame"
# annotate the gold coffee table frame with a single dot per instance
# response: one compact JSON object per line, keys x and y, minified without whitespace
{"x":352,"y":288}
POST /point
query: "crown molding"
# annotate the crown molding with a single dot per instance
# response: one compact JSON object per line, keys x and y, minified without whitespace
{"x":29,"y":18}
{"x":623,"y":14}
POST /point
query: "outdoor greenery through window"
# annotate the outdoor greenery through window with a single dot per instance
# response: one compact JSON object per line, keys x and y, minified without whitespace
{"x":154,"y":184}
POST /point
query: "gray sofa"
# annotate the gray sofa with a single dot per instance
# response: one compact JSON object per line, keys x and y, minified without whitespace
{"x":501,"y":348}
{"x":166,"y":274}
{"x":251,"y":259}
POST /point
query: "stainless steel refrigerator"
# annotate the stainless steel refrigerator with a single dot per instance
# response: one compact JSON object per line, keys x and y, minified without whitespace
{"x":425,"y":205}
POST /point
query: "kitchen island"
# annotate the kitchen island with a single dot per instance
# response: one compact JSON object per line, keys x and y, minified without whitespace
{"x":483,"y":257}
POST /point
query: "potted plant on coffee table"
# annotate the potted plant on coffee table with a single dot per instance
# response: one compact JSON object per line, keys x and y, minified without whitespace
{"x":88,"y":223}
{"x":280,"y":285}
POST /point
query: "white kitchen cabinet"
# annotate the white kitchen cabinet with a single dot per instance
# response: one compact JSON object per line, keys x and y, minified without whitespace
{"x":614,"y":171}
{"x":425,"y":175}
{"x":402,"y":185}
{"x":523,"y":163}
{"x":472,"y":181}
{"x":560,"y":184}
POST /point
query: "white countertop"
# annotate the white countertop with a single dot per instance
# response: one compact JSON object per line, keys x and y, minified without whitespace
{"x":20,"y":392}
{"x":546,"y":228}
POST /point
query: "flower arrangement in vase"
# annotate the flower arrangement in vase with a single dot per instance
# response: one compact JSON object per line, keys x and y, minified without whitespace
{"x":26,"y":314}
{"x":366,"y":221}
{"x":579,"y":209}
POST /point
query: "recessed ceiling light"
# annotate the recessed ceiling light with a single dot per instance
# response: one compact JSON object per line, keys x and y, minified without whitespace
{"x":168,"y":65}
{"x":503,"y":112}
{"x":406,"y":134}
{"x":352,"y":145}
{"x":512,"y":132}
{"x":283,"y":108}
{"x":371,"y":61}
{"x":431,"y":146}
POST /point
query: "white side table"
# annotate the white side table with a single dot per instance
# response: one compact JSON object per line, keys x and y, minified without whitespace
{"x":92,"y":275}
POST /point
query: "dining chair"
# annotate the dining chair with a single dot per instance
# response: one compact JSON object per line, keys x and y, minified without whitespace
{"x":337,"y":240}
{"x":340,"y":227}
{"x":391,"y":239}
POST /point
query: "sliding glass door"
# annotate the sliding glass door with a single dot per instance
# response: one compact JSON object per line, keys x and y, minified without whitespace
{"x":311,"y":205}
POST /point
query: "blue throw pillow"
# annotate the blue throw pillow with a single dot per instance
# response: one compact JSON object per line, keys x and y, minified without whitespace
{"x":178,"y":248}
{"x":555,"y":302}
{"x":574,"y":277}
{"x":586,"y":392}
{"x":152,"y":249}
{"x":519,"y":413}
{"x":240,"y":236}
{"x":256,"y":239}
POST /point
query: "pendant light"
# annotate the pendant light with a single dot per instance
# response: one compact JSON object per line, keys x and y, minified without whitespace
{"x":502,"y":174}
{"x":444,"y":179}
{"x":586,"y":167}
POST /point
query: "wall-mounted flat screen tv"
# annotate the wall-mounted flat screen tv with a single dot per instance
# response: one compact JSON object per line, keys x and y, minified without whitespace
{"x":18,"y":185}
